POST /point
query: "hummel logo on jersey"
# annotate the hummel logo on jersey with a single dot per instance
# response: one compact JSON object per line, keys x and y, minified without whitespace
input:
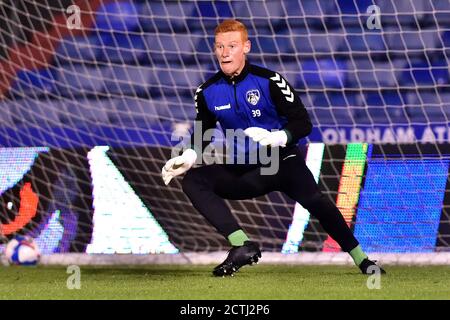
{"x":288,"y":94}
{"x":253,"y":96}
{"x":227,"y":106}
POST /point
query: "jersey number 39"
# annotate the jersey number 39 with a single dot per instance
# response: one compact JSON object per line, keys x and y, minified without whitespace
{"x":256,"y":113}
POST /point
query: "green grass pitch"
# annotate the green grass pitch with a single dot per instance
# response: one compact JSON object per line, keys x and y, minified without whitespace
{"x":167,"y":282}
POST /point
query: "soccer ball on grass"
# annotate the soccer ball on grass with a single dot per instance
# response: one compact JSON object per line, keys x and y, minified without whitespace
{"x":22,"y":250}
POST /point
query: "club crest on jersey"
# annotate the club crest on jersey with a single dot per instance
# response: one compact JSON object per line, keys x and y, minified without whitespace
{"x":253,"y":96}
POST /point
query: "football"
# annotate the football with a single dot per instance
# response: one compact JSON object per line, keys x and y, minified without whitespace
{"x":22,"y":250}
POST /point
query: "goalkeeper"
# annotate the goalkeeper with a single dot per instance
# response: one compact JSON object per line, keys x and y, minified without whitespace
{"x":264,"y":105}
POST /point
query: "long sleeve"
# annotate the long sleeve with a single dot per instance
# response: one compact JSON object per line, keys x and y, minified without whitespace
{"x":204,"y":120}
{"x":289,"y":105}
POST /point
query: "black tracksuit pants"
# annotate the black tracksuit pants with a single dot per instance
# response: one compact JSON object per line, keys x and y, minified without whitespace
{"x":208,"y":186}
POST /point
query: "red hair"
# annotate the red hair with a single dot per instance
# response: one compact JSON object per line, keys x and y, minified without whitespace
{"x":231,"y":25}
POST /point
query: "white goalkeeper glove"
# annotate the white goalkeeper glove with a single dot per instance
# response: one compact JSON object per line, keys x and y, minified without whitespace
{"x":266,"y":138}
{"x":178,"y":165}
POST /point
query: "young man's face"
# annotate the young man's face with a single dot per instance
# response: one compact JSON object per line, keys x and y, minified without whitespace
{"x":230,"y":51}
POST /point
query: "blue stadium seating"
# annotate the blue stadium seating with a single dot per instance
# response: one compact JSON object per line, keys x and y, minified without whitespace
{"x":122,"y":48}
{"x":411,"y":39}
{"x":262,"y":14}
{"x":76,"y":79}
{"x":446,"y":40}
{"x":332,"y":99}
{"x":386,"y":105}
{"x":172,"y":48}
{"x":442,"y":5}
{"x":367,"y":74}
{"x":426,"y":107}
{"x":182,"y":79}
{"x":354,"y":7}
{"x":33,"y":83}
{"x":32,"y":112}
{"x":77,"y":49}
{"x":295,"y":43}
{"x":315,"y":43}
{"x":129,"y":80}
{"x":402,"y":12}
{"x":213,"y":9}
{"x":85,"y":111}
{"x":133,"y":111}
{"x":271,"y":45}
{"x":166,"y":16}
{"x":174,"y":108}
{"x":117,"y":16}
{"x":313,"y":14}
{"x":204,"y":50}
{"x":445,"y":97}
{"x":382,"y":107}
{"x":421,"y":72}
{"x":322,"y":73}
{"x":331,"y":116}
{"x":356,"y":41}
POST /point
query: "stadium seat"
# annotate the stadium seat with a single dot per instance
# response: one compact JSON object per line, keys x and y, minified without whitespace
{"x":81,"y":49}
{"x":445,"y":97}
{"x":213,"y":9}
{"x":33,"y":83}
{"x":314,"y":14}
{"x":382,"y":106}
{"x":402,"y":12}
{"x":393,"y":98}
{"x":331,"y":116}
{"x":368,"y":74}
{"x":85,"y":111}
{"x":445,"y":38}
{"x":421,"y":72}
{"x":353,"y":7}
{"x":129,"y":80}
{"x":167,"y":16}
{"x":332,"y":99}
{"x":426,"y":107}
{"x":206,"y":14}
{"x":315,"y":43}
{"x":188,"y":79}
{"x":183,"y":43}
{"x":270,"y":44}
{"x":267,"y":9}
{"x":76,"y":79}
{"x":423,"y":98}
{"x":171,"y":48}
{"x":204,"y":49}
{"x":411,"y":39}
{"x":117,"y":16}
{"x":32,"y":112}
{"x":127,"y":110}
{"x":322,"y":73}
{"x":355,"y":41}
{"x":174,"y":108}
{"x":261,"y":13}
{"x":122,"y":48}
{"x":442,"y":5}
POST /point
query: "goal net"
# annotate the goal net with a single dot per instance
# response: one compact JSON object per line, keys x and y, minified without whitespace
{"x":95,"y":94}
